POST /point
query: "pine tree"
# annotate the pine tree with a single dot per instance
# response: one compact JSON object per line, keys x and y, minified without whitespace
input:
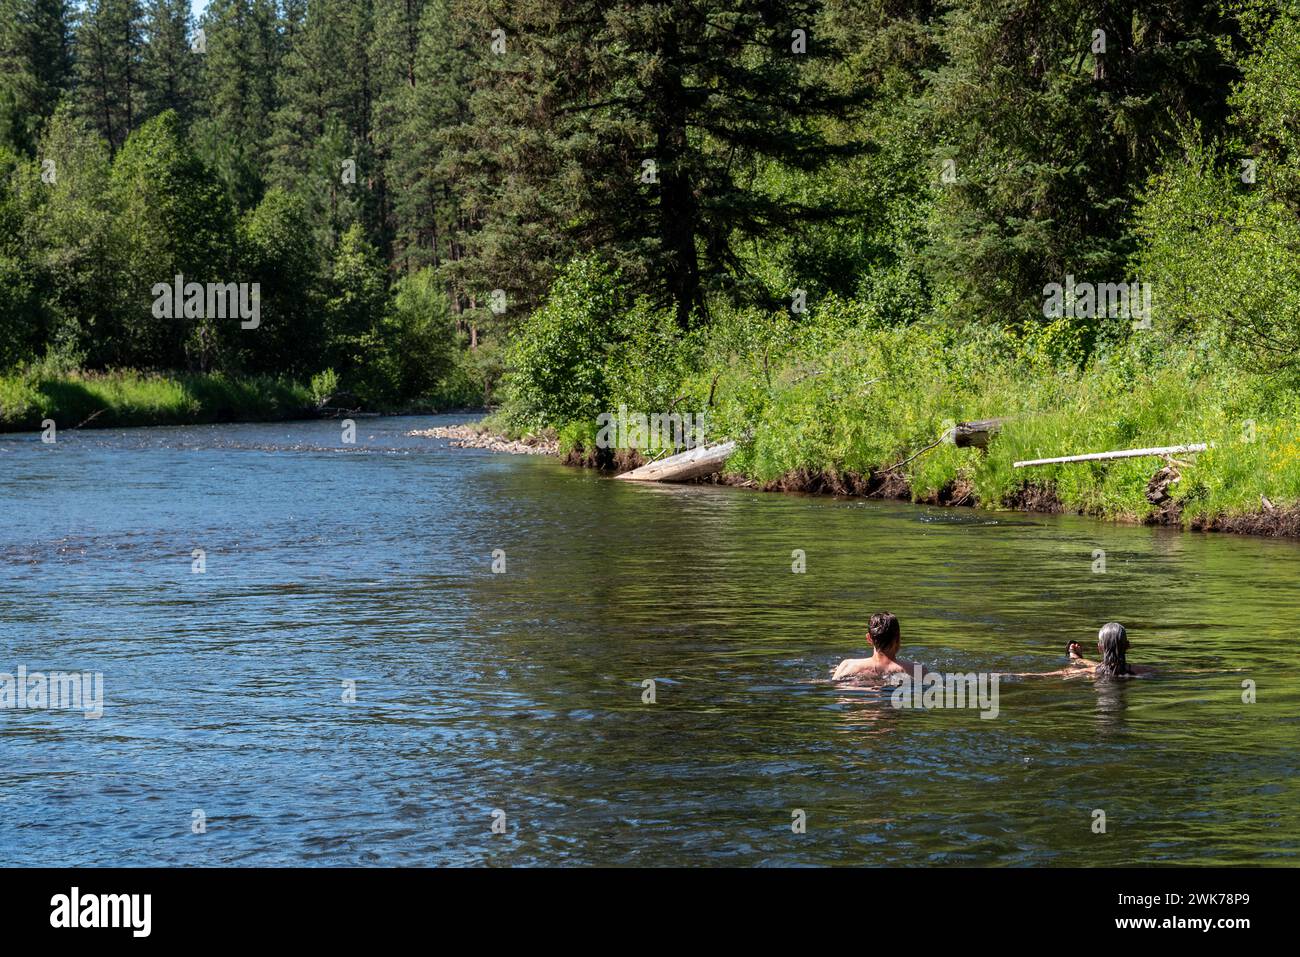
{"x":35,"y":67}
{"x":244,"y":47}
{"x":431,"y":99}
{"x":393,"y":50}
{"x":108,"y":45}
{"x":322,"y":138}
{"x":1053,"y":115}
{"x":635,"y":128}
{"x":169,"y":68}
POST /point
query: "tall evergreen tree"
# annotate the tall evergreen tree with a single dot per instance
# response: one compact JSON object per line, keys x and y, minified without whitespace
{"x":245,"y":44}
{"x":35,"y":66}
{"x":430,"y":101}
{"x":636,"y":127}
{"x":169,"y":68}
{"x":394,"y":49}
{"x":322,"y":138}
{"x":1053,"y":114}
{"x":108,"y":44}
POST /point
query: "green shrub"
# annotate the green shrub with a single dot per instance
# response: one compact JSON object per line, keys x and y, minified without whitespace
{"x":577,"y":436}
{"x":419,"y":335}
{"x":1221,"y":260}
{"x":647,"y":360}
{"x":472,"y":379}
{"x":556,"y":364}
{"x":323,"y":385}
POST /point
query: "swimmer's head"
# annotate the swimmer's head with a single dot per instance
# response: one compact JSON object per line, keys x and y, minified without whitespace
{"x":1112,"y":645}
{"x":884,"y":632}
{"x":1074,"y":649}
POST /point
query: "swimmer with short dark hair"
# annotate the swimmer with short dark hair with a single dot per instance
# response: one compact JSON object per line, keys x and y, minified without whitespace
{"x":885,"y":637}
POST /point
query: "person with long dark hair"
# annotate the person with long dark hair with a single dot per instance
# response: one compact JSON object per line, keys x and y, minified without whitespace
{"x":1112,"y":648}
{"x":1112,"y":645}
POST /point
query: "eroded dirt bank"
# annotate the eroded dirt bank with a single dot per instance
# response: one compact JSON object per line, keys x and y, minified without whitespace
{"x":1269,"y":522}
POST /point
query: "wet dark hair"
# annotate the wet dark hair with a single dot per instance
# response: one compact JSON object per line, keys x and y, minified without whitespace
{"x":884,"y":631}
{"x":1113,"y":643}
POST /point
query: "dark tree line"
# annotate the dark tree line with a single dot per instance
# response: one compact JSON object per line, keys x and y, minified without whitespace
{"x":400,"y":173}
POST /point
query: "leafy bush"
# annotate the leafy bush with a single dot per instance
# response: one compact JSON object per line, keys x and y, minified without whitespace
{"x":418,"y":334}
{"x":353,"y":309}
{"x":647,"y":361}
{"x":1222,"y":261}
{"x":323,"y":385}
{"x":556,"y":363}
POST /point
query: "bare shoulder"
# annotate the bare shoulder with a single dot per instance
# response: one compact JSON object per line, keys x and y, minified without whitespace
{"x":852,"y":668}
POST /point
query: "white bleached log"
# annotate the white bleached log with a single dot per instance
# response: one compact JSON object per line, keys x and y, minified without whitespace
{"x":1121,"y":454}
{"x":694,"y":463}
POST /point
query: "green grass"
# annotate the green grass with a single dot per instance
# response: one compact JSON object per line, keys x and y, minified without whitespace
{"x":834,"y":422}
{"x":128,"y":398}
{"x":841,"y":398}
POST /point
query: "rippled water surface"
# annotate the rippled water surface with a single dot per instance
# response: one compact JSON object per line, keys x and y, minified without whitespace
{"x":523,"y":691}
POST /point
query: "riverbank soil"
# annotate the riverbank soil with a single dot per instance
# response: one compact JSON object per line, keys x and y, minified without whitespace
{"x":888,"y":483}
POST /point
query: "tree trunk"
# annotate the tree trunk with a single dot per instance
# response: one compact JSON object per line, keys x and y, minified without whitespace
{"x":678,"y":210}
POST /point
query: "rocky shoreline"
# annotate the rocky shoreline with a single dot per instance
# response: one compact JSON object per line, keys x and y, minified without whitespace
{"x":476,"y":437}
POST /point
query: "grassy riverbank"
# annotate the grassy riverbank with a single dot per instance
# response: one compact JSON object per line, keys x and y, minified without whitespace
{"x":129,"y":398}
{"x":865,"y":405}
{"x":840,"y":404}
{"x":126,"y":398}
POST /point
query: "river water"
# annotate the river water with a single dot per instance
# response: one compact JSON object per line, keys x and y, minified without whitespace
{"x":516,"y":698}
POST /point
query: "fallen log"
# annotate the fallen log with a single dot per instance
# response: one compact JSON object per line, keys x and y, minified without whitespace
{"x":694,"y":463}
{"x":975,"y":434}
{"x":1121,"y":454}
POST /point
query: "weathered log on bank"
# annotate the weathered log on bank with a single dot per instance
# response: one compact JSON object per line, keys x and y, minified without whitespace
{"x":1121,"y":454}
{"x":684,"y":466}
{"x":975,"y":434}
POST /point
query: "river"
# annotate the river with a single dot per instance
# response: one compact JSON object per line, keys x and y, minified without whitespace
{"x":517,"y":698}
